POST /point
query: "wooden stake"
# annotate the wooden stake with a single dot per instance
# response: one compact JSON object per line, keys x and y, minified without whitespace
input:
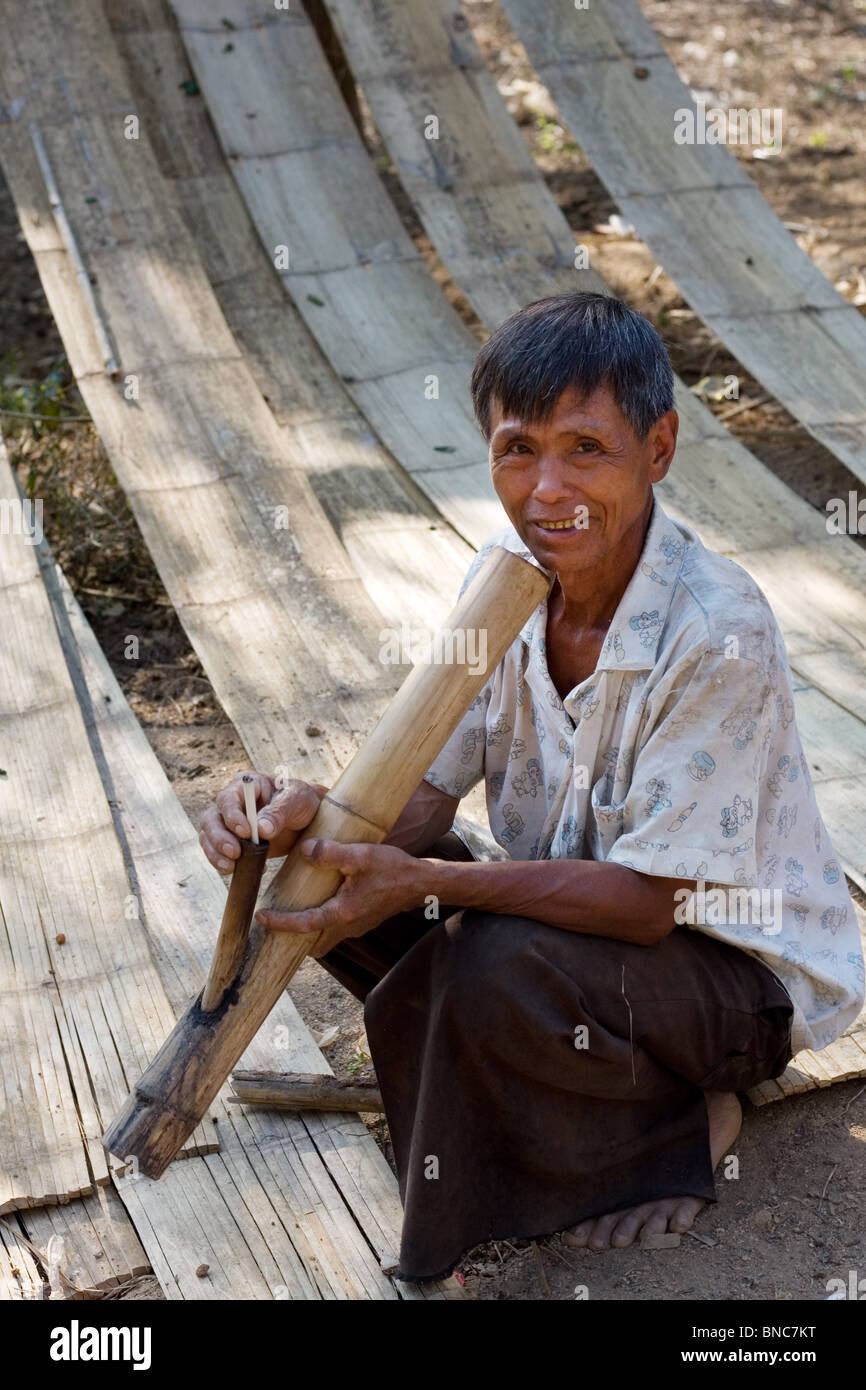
{"x":363,"y":805}
{"x":302,"y":1091}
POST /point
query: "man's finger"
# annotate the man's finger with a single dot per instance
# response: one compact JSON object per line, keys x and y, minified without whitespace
{"x":335,"y":855}
{"x":216,"y":838}
{"x":223,"y":861}
{"x":230,"y":802}
{"x":291,"y":809}
{"x":312,"y":920}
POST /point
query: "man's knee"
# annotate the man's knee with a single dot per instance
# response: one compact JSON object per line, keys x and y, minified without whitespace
{"x":486,"y":944}
{"x":471,"y":963}
{"x":486,"y":970}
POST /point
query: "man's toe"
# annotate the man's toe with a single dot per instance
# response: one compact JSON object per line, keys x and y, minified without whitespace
{"x":579,"y":1235}
{"x":645,"y":1217}
{"x":600,"y":1236}
{"x":682,"y":1218}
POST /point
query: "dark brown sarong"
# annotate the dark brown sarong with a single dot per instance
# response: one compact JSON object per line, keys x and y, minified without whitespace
{"x":533,"y":1077}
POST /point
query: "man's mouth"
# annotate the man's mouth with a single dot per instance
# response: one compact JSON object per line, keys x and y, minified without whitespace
{"x":557,"y":525}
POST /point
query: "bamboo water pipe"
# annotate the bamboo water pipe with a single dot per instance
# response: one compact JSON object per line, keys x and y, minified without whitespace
{"x":363,"y":805}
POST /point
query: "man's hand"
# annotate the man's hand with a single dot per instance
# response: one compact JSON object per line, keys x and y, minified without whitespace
{"x":380,"y":880}
{"x":282,"y":815}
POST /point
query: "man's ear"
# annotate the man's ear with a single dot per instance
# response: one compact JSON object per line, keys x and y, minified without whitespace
{"x":663,"y":442}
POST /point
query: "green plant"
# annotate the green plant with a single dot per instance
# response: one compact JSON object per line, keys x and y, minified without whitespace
{"x":361,"y":1058}
{"x":551,"y":136}
{"x":43,"y":401}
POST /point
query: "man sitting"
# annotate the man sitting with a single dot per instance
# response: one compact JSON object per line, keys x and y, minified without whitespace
{"x":562,"y":1047}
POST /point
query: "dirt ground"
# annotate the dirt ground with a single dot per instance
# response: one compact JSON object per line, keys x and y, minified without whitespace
{"x":793,"y":1218}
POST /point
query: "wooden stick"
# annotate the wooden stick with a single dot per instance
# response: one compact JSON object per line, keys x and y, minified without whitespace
{"x":250,"y":805}
{"x":235,"y":925}
{"x":305,"y":1091}
{"x":363,"y":805}
{"x":68,"y":238}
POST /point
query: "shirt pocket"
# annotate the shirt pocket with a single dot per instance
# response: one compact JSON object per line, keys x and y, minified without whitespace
{"x":606,"y":821}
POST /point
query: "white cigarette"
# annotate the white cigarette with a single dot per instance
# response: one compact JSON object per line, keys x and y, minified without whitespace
{"x":250,"y":800}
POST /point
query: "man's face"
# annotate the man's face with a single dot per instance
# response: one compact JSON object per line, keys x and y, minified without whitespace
{"x":586,"y":455}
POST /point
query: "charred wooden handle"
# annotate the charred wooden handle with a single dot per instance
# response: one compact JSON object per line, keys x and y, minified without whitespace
{"x":235,"y":925}
{"x":363,"y":805}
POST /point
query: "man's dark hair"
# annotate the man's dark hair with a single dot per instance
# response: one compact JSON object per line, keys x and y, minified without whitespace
{"x":581,"y":340}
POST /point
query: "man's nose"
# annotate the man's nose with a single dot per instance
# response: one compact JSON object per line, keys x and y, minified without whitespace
{"x":552,"y":483}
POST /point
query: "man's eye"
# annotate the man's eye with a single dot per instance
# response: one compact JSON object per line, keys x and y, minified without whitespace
{"x":587,"y":446}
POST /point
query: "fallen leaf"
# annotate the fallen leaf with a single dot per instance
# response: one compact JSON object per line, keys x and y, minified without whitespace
{"x":714,"y":388}
{"x":615,"y":226}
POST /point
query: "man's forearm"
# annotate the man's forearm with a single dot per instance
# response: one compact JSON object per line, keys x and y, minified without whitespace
{"x":427,"y":816}
{"x":580,"y":895}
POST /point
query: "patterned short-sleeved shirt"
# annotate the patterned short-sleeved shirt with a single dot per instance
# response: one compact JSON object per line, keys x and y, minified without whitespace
{"x":679,"y":756}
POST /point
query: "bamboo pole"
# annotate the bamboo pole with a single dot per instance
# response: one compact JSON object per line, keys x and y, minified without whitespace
{"x":363,"y":805}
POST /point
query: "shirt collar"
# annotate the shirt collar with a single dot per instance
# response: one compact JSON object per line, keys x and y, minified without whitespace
{"x":636,"y":627}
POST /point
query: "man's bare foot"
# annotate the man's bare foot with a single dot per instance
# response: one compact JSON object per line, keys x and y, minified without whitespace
{"x":621,"y":1228}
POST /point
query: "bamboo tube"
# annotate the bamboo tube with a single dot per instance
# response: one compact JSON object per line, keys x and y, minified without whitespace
{"x":235,"y":925}
{"x":302,"y":1091}
{"x":175,"y":1091}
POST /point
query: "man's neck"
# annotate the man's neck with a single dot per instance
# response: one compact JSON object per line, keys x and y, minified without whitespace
{"x":587,"y":601}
